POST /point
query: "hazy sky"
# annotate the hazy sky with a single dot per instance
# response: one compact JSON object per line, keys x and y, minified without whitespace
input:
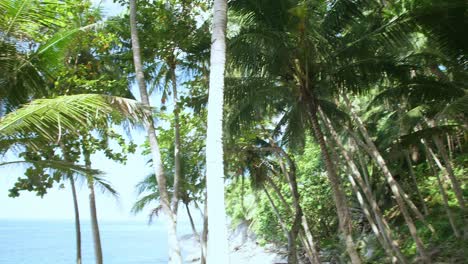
{"x":58,"y":204}
{"x":109,"y":8}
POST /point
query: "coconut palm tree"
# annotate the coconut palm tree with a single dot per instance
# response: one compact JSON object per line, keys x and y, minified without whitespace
{"x":217,"y":234}
{"x":311,"y":51}
{"x":174,"y":249}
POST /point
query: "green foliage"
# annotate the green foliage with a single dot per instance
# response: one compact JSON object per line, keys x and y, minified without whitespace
{"x":192,"y":132}
{"x":65,"y":78}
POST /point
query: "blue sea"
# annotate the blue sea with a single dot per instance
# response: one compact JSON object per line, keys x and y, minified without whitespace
{"x":53,"y":242}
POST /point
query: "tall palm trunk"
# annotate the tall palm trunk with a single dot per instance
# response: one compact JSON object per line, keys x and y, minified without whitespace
{"x":204,"y":236}
{"x":192,"y":223}
{"x":380,"y":227}
{"x":430,"y":158}
{"x":298,"y":213}
{"x":92,"y":206}
{"x":308,"y":242}
{"x":286,"y":232}
{"x":394,"y":187}
{"x":305,"y":234}
{"x":374,"y":153}
{"x":174,"y":248}
{"x":415,"y":182}
{"x":456,"y":186}
{"x":217,"y":235}
{"x":76,"y":210}
{"x":177,"y":145}
{"x":344,"y":215}
{"x":77,"y":219}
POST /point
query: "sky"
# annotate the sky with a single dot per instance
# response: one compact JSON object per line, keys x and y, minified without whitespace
{"x":58,"y":204}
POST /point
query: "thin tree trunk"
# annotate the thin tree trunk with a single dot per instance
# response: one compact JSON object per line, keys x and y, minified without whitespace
{"x":415,"y":182}
{"x":312,"y":252}
{"x":379,"y":226}
{"x":175,"y":256}
{"x":204,"y":237}
{"x":76,"y":210}
{"x":217,"y":235}
{"x":365,"y":173}
{"x":444,"y":197}
{"x":92,"y":206}
{"x":196,"y":234}
{"x":450,"y":146}
{"x":298,"y":216}
{"x":406,"y":198}
{"x":77,"y":220}
{"x":280,"y":219}
{"x":305,"y":234}
{"x":432,"y":157}
{"x":380,"y":220}
{"x":460,"y":146}
{"x":394,"y":187}
{"x":294,"y":231}
{"x":344,"y":215}
{"x":177,"y":144}
{"x":278,"y":192}
{"x":456,"y":186}
{"x":192,"y":223}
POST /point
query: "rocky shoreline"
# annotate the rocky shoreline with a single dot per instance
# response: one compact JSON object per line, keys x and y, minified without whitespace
{"x":243,"y":248}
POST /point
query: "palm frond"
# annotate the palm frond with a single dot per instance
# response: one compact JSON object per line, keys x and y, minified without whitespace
{"x":105,"y":186}
{"x":144,"y":201}
{"x":455,"y":108}
{"x":56,"y":165}
{"x":48,"y":117}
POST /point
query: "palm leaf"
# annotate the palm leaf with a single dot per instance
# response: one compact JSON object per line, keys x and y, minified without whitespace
{"x":56,"y":165}
{"x":49,"y":117}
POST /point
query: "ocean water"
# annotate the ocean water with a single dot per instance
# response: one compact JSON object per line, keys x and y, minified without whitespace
{"x":53,"y":242}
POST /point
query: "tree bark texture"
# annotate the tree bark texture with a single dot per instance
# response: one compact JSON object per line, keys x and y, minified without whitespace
{"x":344,"y":215}
{"x":175,"y":256}
{"x":394,"y":187}
{"x":217,"y":234}
{"x":93,"y":210}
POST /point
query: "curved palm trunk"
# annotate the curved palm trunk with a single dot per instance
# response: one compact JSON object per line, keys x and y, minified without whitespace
{"x":290,"y":235}
{"x":394,"y":187}
{"x":177,"y":145}
{"x":456,"y":186}
{"x":309,"y":243}
{"x":217,"y":235}
{"x":305,"y":234}
{"x":432,"y":157}
{"x":278,"y":215}
{"x":415,"y":182}
{"x":373,"y":152}
{"x":192,"y":223}
{"x":77,"y":220}
{"x":94,"y":220}
{"x":174,"y":248}
{"x":380,"y":227}
{"x":344,"y":215}
{"x":76,"y":210}
{"x":299,"y":218}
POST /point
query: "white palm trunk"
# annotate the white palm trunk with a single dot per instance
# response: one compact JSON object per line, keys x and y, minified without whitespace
{"x":217,"y":231}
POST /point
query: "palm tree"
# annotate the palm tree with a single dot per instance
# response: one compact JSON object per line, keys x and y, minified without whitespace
{"x":24,"y":71}
{"x":217,"y":234}
{"x":174,"y":249}
{"x":24,"y":75}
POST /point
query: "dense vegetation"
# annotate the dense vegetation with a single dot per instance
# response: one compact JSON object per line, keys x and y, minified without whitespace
{"x":342,"y":135}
